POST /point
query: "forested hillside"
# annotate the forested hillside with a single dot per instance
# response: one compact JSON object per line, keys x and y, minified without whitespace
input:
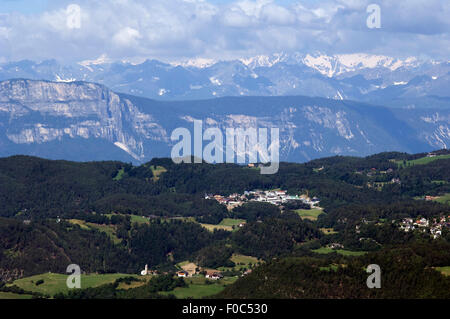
{"x":113,"y":217}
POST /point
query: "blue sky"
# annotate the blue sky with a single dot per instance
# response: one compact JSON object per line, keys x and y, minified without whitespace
{"x":37,"y":6}
{"x":219,"y":29}
{"x":23,"y":6}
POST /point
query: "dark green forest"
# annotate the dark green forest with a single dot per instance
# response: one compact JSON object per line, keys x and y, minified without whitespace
{"x":54,"y":213}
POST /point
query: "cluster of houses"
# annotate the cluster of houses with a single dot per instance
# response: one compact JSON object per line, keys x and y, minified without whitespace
{"x":210,"y":274}
{"x":276,"y":197}
{"x":335,"y":246}
{"x":434,"y":225}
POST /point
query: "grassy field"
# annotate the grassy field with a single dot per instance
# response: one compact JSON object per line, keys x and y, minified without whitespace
{"x":243,"y":259}
{"x":332,"y":267}
{"x":119,"y":175}
{"x":444,"y":199}
{"x":157,"y":171}
{"x":139,"y":219}
{"x":80,"y":223}
{"x":134,"y":284}
{"x":196,"y":291}
{"x":109,"y":230}
{"x":231,"y":222}
{"x":54,"y":283}
{"x":326,"y":250}
{"x":310,"y":214}
{"x":198,"y":288}
{"x":211,"y":227}
{"x":328,"y":231}
{"x":133,"y":218}
{"x":242,"y":262}
{"x":226,"y":224}
{"x":182,"y":263}
{"x":10,"y":295}
{"x":439,"y":182}
{"x":444,"y":270}
{"x":421,"y":161}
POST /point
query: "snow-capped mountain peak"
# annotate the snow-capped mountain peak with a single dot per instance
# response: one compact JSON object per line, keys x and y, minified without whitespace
{"x":357,"y":76}
{"x":264,"y":60}
{"x":343,"y":63}
{"x":102,"y":59}
{"x":200,"y":63}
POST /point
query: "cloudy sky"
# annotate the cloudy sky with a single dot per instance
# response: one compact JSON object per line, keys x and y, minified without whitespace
{"x":175,"y":30}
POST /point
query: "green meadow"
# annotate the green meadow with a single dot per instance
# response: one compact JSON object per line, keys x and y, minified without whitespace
{"x":119,"y":175}
{"x":109,"y":230}
{"x":310,"y":214}
{"x":226,"y":224}
{"x":157,"y":171}
{"x":55,"y":283}
{"x":326,"y":250}
{"x":231,"y":222}
{"x":199,"y":287}
{"x":242,"y":262}
{"x":444,"y":270}
{"x":421,"y":161}
{"x":10,"y":295}
{"x":444,"y":199}
{"x":328,"y":231}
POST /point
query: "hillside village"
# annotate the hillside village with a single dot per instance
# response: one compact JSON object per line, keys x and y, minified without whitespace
{"x":433,"y":225}
{"x":243,"y":266}
{"x":275,"y":197}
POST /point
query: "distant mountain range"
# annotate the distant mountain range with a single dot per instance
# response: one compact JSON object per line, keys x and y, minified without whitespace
{"x":376,"y":79}
{"x":88,"y":121}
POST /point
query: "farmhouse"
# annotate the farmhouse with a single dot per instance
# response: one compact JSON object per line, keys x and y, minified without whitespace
{"x":214,"y":275}
{"x":336,"y":246}
{"x":182,"y":273}
{"x":247,"y":272}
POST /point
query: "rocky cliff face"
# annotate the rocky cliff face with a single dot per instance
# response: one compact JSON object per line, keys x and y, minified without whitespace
{"x":310,"y":129}
{"x":40,"y":112}
{"x":86,"y":121}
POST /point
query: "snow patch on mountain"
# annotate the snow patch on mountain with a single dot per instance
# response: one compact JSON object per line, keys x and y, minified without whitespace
{"x":103,"y":59}
{"x":343,"y":63}
{"x":59,"y":79}
{"x":199,"y":63}
{"x":215,"y":81}
{"x":264,"y":60}
{"x":127,"y":150}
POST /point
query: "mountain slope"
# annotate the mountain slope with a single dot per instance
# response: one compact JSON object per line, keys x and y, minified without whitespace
{"x":48,"y":113}
{"x":87,"y":121}
{"x":372,"y":78}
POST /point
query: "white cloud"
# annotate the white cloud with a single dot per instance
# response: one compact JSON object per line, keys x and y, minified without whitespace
{"x":252,"y":8}
{"x":127,"y":36}
{"x":177,"y":29}
{"x":4,"y":32}
{"x":235,"y":17}
{"x":273,"y":14}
